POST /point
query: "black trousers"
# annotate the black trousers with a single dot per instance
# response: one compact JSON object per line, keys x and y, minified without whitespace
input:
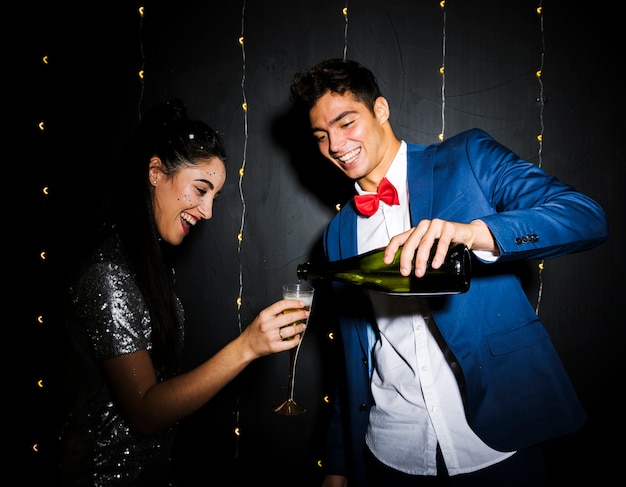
{"x":524,"y":469}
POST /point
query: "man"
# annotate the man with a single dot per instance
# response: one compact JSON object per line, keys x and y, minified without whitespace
{"x":452,"y":390}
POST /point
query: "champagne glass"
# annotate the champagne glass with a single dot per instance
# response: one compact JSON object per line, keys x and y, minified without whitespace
{"x":303,"y":292}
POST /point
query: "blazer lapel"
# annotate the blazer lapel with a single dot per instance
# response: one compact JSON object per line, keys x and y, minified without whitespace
{"x":420,"y":164}
{"x":348,"y":241}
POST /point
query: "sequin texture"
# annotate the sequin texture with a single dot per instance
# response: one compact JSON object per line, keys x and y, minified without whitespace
{"x":108,"y":318}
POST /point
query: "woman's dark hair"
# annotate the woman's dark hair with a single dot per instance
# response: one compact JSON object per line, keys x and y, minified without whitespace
{"x":167,"y":133}
{"x":337,"y":76}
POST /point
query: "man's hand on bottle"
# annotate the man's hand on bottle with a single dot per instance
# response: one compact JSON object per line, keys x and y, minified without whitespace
{"x":418,"y":241}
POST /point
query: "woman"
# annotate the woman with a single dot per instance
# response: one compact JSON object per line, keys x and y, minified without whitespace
{"x":124,"y":395}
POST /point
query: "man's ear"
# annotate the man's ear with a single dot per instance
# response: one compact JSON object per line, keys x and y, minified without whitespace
{"x":381,"y":109}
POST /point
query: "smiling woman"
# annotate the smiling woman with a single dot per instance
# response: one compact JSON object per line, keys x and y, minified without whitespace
{"x":124,"y":388}
{"x":184,"y":196}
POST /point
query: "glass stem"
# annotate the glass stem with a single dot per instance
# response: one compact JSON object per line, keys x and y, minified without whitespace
{"x":293,"y":357}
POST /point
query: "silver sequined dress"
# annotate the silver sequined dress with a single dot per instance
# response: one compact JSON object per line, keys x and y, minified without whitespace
{"x":109,"y":318}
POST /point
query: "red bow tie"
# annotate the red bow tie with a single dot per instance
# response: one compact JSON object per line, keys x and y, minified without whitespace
{"x":367,"y":204}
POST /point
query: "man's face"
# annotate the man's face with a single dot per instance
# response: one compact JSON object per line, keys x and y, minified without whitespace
{"x":350,"y":135}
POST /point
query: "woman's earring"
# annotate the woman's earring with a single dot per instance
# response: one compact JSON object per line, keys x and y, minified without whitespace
{"x":154,"y":182}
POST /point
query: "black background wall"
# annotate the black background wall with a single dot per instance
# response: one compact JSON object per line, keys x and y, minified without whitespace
{"x":90,"y":97}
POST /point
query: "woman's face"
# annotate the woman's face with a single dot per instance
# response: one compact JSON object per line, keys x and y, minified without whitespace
{"x":183,"y":199}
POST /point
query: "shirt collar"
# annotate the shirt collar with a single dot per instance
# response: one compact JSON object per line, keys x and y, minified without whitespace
{"x":396,"y":173}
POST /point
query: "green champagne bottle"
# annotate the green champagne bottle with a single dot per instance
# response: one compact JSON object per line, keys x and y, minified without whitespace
{"x":369,"y":271}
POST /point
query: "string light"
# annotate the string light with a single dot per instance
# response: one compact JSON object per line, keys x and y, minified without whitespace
{"x":140,"y":73}
{"x":244,"y":108}
{"x":345,"y":31}
{"x":41,"y":128}
{"x":331,"y":334}
{"x":442,"y":72}
{"x":541,"y":101}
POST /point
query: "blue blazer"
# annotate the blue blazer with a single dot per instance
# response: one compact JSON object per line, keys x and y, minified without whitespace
{"x":515,"y":389}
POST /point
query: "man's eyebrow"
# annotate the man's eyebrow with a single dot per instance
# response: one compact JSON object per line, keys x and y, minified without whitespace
{"x":334,"y":120}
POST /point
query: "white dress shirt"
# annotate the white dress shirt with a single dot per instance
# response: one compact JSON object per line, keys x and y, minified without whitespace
{"x":417,"y":399}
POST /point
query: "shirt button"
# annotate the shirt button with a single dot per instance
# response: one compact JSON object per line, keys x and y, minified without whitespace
{"x":363,"y":408}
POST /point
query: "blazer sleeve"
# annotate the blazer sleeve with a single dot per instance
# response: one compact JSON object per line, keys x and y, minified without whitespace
{"x":535,"y":215}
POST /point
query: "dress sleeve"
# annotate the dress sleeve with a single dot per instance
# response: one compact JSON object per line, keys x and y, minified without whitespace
{"x":112,"y":311}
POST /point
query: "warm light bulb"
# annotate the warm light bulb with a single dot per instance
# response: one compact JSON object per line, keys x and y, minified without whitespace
{"x":140,"y":10}
{"x":241,"y":172}
{"x":442,"y":70}
{"x":45,"y":190}
{"x":244,"y":105}
{"x":345,"y":11}
{"x":241,"y":40}
{"x":440,"y":136}
{"x":540,"y":137}
{"x":41,"y":126}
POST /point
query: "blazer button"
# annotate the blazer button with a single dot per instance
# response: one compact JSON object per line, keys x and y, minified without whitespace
{"x":363,"y":408}
{"x":531,"y":238}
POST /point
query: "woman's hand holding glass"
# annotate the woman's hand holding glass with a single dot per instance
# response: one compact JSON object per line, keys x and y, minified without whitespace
{"x":302,"y":292}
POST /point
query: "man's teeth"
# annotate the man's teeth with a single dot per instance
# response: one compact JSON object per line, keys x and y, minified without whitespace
{"x":349,"y":156}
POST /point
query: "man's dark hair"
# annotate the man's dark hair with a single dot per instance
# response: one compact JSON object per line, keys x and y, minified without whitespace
{"x":336,"y":76}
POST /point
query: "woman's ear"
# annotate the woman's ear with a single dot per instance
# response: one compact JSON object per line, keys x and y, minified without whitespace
{"x":154,"y":170}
